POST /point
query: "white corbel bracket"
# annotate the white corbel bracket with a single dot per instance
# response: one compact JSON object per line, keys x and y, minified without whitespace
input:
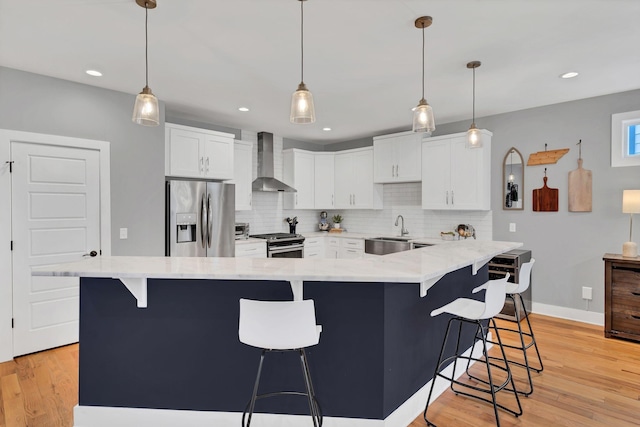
{"x":478,"y":265}
{"x":296,"y":288}
{"x":138,"y":288}
{"x":427,"y":284}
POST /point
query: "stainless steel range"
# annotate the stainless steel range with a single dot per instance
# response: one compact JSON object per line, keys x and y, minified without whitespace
{"x":283,"y":245}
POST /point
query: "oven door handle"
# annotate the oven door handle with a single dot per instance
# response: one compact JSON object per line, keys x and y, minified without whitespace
{"x":281,"y":249}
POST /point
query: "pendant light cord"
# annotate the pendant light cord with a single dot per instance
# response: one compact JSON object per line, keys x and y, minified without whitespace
{"x":423,"y":61}
{"x":301,"y":41}
{"x":146,"y":45}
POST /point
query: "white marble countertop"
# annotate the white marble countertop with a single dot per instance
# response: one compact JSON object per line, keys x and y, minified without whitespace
{"x":425,"y":266}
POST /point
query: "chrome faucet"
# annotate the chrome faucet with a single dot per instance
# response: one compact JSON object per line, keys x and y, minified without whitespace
{"x":403,"y":230}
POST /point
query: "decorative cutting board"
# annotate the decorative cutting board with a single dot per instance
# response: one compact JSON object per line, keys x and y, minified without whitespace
{"x":580,"y":187}
{"x":545,"y":199}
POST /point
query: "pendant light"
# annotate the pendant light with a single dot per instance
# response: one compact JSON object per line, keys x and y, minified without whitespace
{"x":302,"y":109}
{"x":474,"y":137}
{"x":145,"y":110}
{"x":423,"y":113}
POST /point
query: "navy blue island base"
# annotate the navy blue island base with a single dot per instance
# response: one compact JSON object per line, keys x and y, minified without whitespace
{"x":378,"y":345}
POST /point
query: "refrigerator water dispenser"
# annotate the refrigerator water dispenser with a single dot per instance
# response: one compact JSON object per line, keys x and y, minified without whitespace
{"x":186,"y":227}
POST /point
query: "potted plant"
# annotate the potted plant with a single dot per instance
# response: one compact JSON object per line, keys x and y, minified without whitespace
{"x":337,"y":219}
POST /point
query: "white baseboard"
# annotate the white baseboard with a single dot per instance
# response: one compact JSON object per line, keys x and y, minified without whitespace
{"x":104,"y":416}
{"x":568,"y":313}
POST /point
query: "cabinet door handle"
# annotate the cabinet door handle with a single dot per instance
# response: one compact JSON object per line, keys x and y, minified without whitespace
{"x":207,"y":165}
{"x":392,"y":173}
{"x":296,"y":199}
{"x":201,"y":164}
{"x":332,"y":200}
{"x":397,"y":174}
{"x":452,"y":202}
{"x":249,"y":199}
{"x":447,"y":197}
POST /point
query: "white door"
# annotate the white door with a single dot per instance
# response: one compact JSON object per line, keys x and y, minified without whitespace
{"x":55,"y":219}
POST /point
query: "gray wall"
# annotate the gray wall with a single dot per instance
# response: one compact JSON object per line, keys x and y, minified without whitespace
{"x":35,"y":103}
{"x":568,"y":246}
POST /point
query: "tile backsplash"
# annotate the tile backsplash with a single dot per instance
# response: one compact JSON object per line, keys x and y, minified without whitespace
{"x":405,"y":199}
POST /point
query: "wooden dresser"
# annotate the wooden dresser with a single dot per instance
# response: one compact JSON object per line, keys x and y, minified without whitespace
{"x":621,"y":297}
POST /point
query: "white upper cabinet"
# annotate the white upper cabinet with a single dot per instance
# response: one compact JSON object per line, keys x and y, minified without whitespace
{"x":198,"y":153}
{"x":454,"y":176}
{"x":298,"y":172}
{"x":396,"y":157}
{"x":243,"y":174}
{"x":312,"y":175}
{"x":324,"y":179}
{"x":354,"y":187}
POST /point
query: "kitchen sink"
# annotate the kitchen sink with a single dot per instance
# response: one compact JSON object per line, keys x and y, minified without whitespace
{"x":391,"y":239}
{"x":389,"y":245}
{"x":384,"y":245}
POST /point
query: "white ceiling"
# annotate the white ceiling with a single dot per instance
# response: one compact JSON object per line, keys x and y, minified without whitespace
{"x":362,"y":57}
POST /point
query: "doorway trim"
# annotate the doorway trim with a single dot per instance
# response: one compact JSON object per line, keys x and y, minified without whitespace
{"x":6,"y":273}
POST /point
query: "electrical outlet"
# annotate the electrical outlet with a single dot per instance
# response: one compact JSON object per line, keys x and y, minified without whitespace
{"x":124,"y":233}
{"x":512,"y":227}
{"x":587,"y":293}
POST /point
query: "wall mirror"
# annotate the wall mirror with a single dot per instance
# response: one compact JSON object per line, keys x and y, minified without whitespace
{"x":513,"y":180}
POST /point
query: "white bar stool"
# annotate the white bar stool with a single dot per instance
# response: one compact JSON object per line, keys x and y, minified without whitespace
{"x":514,"y":290}
{"x":280,"y":326}
{"x":471,"y":311}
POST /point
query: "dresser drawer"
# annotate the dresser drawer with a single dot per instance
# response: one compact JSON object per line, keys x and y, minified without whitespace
{"x":626,"y":321}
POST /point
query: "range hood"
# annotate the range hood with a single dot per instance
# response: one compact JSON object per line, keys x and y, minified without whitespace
{"x":266,"y":180}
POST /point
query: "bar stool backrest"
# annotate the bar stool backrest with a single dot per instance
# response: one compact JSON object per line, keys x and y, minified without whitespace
{"x":524,"y":279}
{"x":278,"y":325}
{"x":494,"y":297}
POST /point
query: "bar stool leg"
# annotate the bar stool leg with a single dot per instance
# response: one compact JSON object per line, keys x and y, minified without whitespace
{"x":457,"y":352}
{"x":252,"y":403}
{"x":533,"y":338}
{"x":311,"y":397}
{"x":435,"y":373}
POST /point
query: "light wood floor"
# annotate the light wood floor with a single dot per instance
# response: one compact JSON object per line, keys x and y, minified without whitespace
{"x":588,"y":381}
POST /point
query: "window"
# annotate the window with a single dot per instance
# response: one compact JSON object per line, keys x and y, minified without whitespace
{"x":633,"y":145}
{"x":625,"y":139}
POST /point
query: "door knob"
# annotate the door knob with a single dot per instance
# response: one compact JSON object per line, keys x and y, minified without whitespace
{"x":91,"y":254}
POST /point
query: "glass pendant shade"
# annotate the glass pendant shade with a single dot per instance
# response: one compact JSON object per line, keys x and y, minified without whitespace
{"x":302,"y":109}
{"x":423,"y":118}
{"x":145,"y":110}
{"x":474,"y":137}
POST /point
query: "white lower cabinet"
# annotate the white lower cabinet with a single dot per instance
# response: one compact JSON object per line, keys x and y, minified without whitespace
{"x":314,"y":247}
{"x":351,"y":248}
{"x":251,"y":249}
{"x":331,"y":247}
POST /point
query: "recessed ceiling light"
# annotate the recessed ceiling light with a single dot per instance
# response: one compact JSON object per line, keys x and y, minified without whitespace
{"x":94,"y":73}
{"x":326,"y":129}
{"x":243,"y":109}
{"x":569,"y":75}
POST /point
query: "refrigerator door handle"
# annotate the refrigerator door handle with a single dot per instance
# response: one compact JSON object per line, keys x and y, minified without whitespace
{"x":203,"y":220}
{"x":209,"y":221}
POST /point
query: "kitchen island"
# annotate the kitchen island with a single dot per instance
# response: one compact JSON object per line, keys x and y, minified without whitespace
{"x":162,"y":349}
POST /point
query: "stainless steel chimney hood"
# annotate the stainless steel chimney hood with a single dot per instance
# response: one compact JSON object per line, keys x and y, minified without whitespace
{"x":266,"y":180}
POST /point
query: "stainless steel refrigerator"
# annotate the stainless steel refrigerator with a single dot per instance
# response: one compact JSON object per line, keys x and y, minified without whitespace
{"x":200,"y":219}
